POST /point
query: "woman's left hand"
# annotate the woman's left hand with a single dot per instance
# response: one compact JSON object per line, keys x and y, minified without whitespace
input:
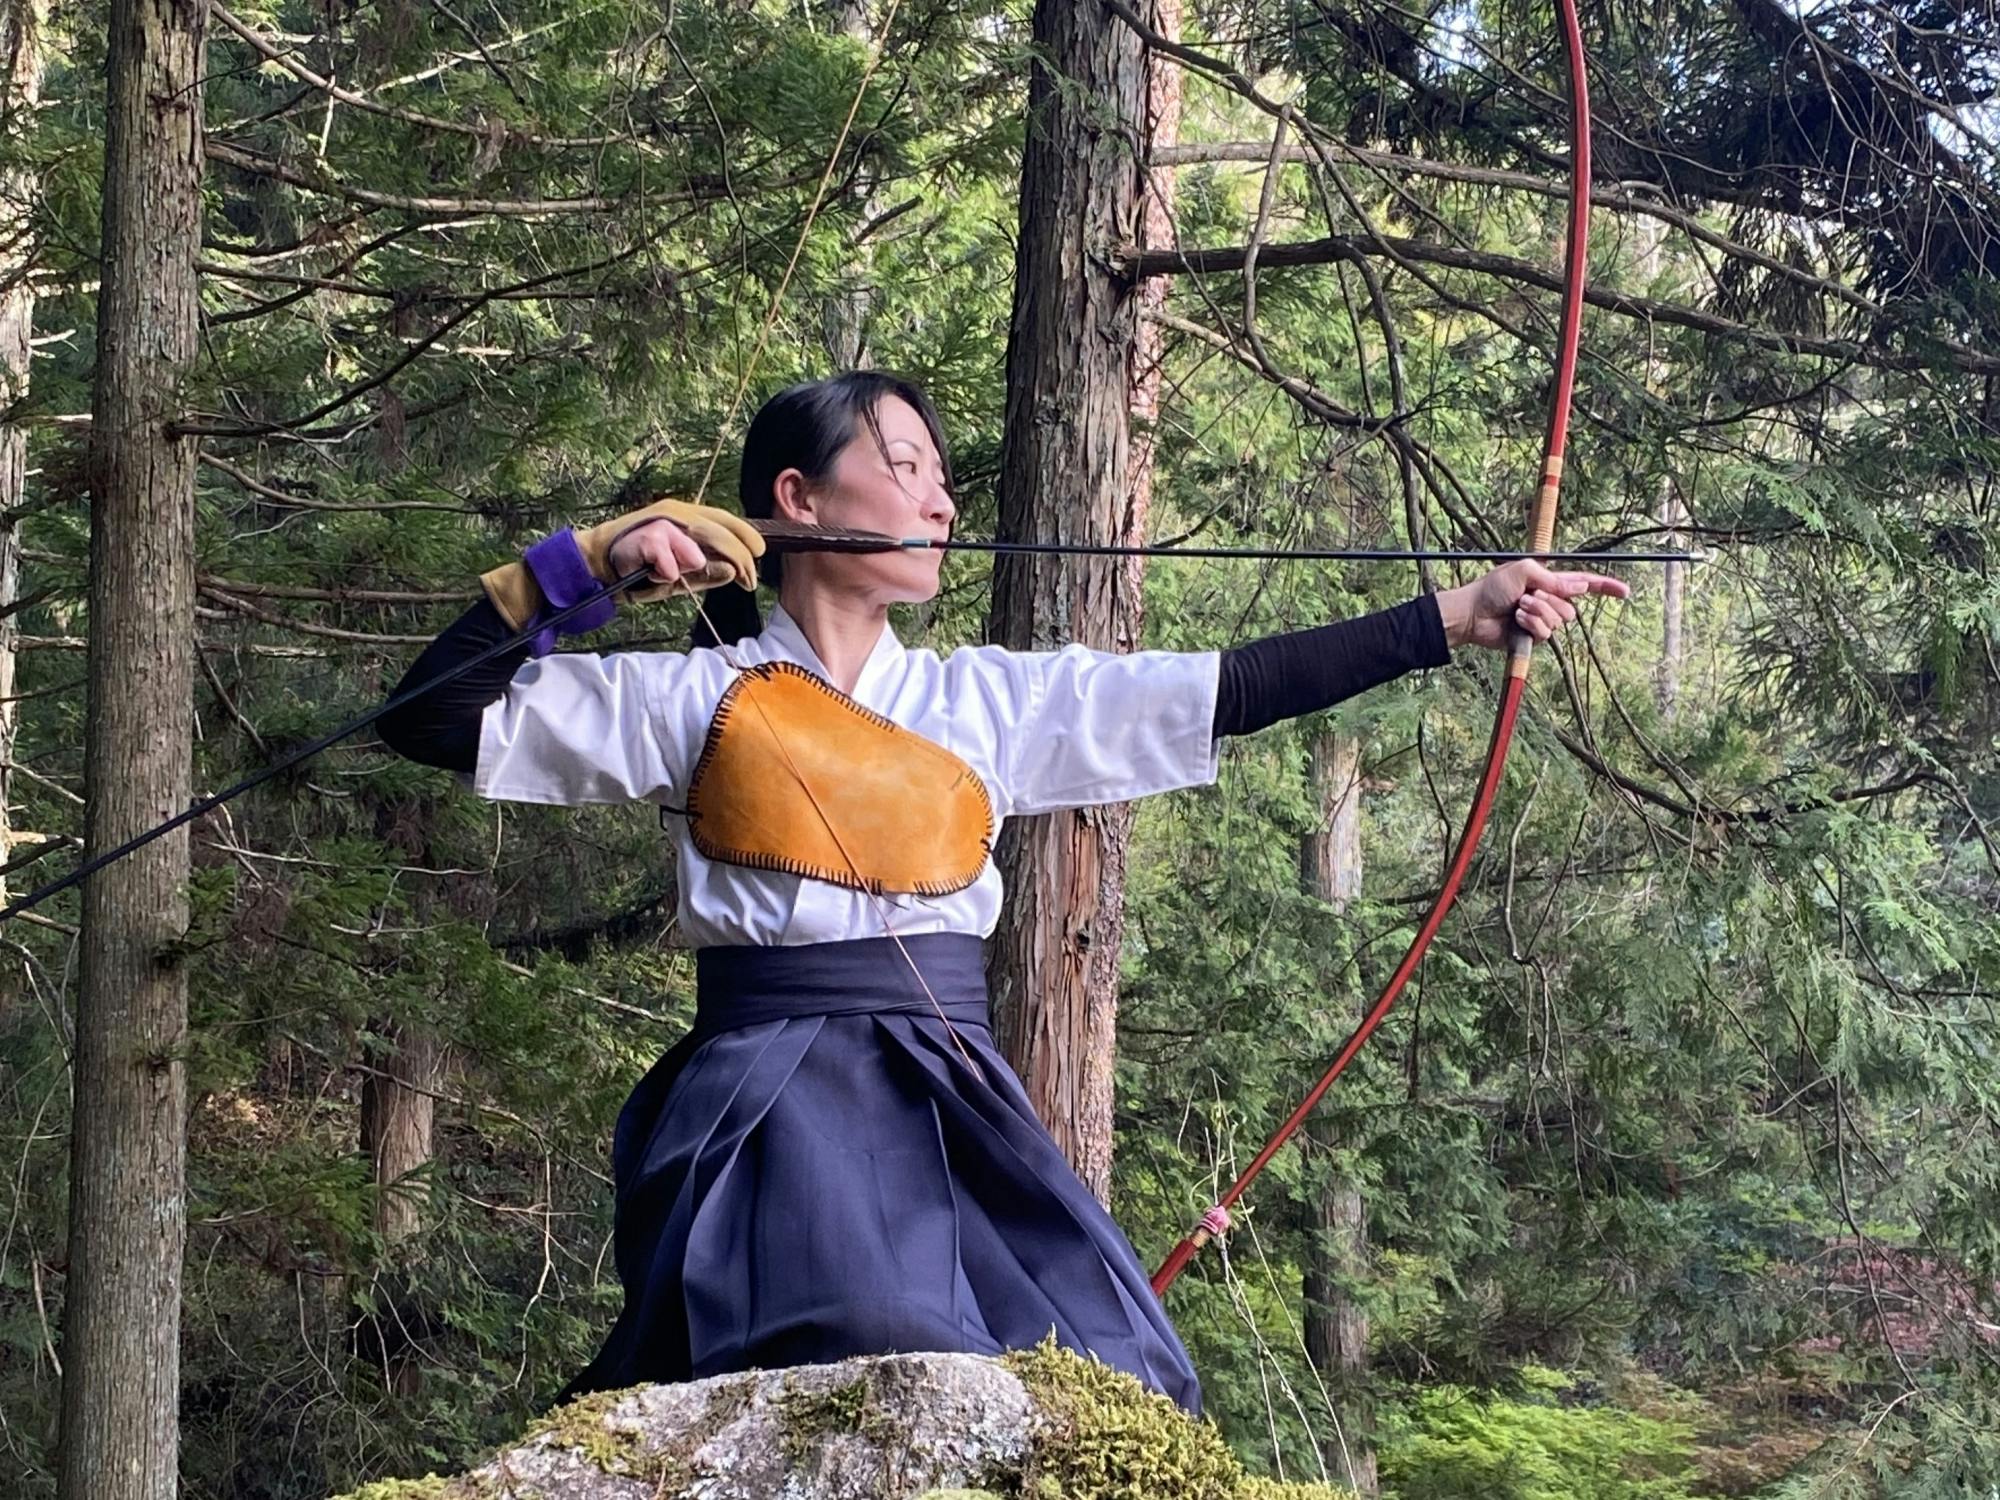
{"x":1521,"y":596}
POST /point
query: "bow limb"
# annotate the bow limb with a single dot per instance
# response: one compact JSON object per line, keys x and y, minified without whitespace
{"x":1541,"y":536}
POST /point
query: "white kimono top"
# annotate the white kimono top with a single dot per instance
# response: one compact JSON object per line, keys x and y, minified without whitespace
{"x":1043,"y":730}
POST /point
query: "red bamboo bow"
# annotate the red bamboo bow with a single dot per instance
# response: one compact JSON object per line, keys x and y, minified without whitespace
{"x":1541,"y":536}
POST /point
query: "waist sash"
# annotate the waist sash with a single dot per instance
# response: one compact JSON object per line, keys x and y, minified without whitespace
{"x":746,"y":985}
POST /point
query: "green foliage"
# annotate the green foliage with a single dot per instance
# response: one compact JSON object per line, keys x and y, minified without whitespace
{"x":1448,"y":1442}
{"x":1699,"y":1072}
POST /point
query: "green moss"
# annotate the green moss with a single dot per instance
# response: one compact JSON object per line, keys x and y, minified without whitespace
{"x":807,"y":1417}
{"x":430,"y":1487}
{"x":581,"y":1427}
{"x":1255,"y":1487}
{"x":1108,"y":1438}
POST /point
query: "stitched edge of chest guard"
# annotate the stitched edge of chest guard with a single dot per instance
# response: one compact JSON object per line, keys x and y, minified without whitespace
{"x":913,"y":817}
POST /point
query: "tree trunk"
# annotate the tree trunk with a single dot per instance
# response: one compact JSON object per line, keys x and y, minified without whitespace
{"x":405,"y":1070}
{"x":21,"y":23}
{"x":1672,"y":515}
{"x":398,"y":1093}
{"x":397,"y":1111}
{"x":1336,"y":1325}
{"x":1673,"y":606}
{"x":1156,"y":229}
{"x":1330,"y":857}
{"x":1065,"y":465}
{"x":128,"y":1217}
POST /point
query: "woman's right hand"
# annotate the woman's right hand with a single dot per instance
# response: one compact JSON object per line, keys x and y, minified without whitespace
{"x":661,"y":546}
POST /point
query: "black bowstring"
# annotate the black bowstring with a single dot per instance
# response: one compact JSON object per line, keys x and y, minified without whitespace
{"x":542,"y":622}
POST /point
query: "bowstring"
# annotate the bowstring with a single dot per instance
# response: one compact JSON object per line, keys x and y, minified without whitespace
{"x":861,"y":881}
{"x":770,"y":322}
{"x":798,"y":249}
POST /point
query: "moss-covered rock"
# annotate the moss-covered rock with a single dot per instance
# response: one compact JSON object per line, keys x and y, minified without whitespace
{"x":430,"y":1487}
{"x":1043,"y":1424}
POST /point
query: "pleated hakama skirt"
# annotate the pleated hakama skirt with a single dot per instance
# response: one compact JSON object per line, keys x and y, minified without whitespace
{"x":816,"y":1171}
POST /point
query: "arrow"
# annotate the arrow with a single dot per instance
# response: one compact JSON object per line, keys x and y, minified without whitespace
{"x":786,"y":536}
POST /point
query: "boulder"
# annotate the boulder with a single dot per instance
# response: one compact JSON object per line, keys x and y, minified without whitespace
{"x":1042,"y":1424}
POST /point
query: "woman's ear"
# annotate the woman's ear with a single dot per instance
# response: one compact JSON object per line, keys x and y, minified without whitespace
{"x":792,"y":498}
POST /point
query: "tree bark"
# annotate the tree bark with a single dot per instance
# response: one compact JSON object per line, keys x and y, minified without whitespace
{"x":1156,"y":229}
{"x":397,"y":1114}
{"x":21,"y":25}
{"x":1336,"y":1324}
{"x":1673,"y":607}
{"x":128,"y":1217}
{"x":1065,"y":468}
{"x":1330,"y":856}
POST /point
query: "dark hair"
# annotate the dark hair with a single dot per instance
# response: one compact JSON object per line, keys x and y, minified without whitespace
{"x":804,"y":427}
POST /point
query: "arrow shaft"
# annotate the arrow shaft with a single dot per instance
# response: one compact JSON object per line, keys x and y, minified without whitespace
{"x":1303,"y":554}
{"x":783,"y":536}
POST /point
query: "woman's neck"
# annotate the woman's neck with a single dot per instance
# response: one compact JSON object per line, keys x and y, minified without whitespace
{"x":842,"y":629}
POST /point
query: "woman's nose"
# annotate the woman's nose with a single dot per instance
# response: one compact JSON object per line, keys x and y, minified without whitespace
{"x":939,"y":508}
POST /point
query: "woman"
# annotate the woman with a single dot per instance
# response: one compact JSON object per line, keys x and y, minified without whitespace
{"x":836,"y":1160}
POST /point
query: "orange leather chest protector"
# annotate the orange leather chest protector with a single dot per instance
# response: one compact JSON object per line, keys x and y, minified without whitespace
{"x":796,"y":776}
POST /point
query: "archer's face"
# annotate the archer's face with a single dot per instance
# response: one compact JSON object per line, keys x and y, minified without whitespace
{"x":896,"y":487}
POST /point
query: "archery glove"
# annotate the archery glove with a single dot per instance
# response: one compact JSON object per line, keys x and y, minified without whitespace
{"x":731,"y":544}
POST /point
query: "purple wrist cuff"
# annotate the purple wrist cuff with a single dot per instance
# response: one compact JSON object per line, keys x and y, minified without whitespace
{"x":558,"y":565}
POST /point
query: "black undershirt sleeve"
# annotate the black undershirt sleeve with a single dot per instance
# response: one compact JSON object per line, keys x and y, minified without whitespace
{"x":442,"y":727}
{"x":1288,"y":675}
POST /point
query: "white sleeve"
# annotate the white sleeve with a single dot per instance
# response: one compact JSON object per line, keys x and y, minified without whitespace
{"x":579,"y":727}
{"x":1077,"y":727}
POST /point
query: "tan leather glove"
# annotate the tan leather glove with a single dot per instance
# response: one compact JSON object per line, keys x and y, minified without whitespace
{"x":731,"y":544}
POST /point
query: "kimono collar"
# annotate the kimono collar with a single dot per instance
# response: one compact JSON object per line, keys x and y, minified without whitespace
{"x":782,"y":637}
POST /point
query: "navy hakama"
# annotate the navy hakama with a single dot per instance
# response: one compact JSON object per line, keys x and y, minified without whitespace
{"x":815,"y":1171}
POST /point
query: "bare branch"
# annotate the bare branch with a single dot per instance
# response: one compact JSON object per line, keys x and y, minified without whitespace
{"x":336,"y":596}
{"x":255,"y":648}
{"x":283,"y":497}
{"x":1139,"y":264}
{"x":1524,"y":182}
{"x":329,"y":632}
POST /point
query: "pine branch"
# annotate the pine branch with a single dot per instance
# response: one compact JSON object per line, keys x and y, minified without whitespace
{"x":497,"y":131}
{"x":264,"y":166}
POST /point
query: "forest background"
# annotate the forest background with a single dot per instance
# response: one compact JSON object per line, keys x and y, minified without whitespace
{"x":1674,"y":1175}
